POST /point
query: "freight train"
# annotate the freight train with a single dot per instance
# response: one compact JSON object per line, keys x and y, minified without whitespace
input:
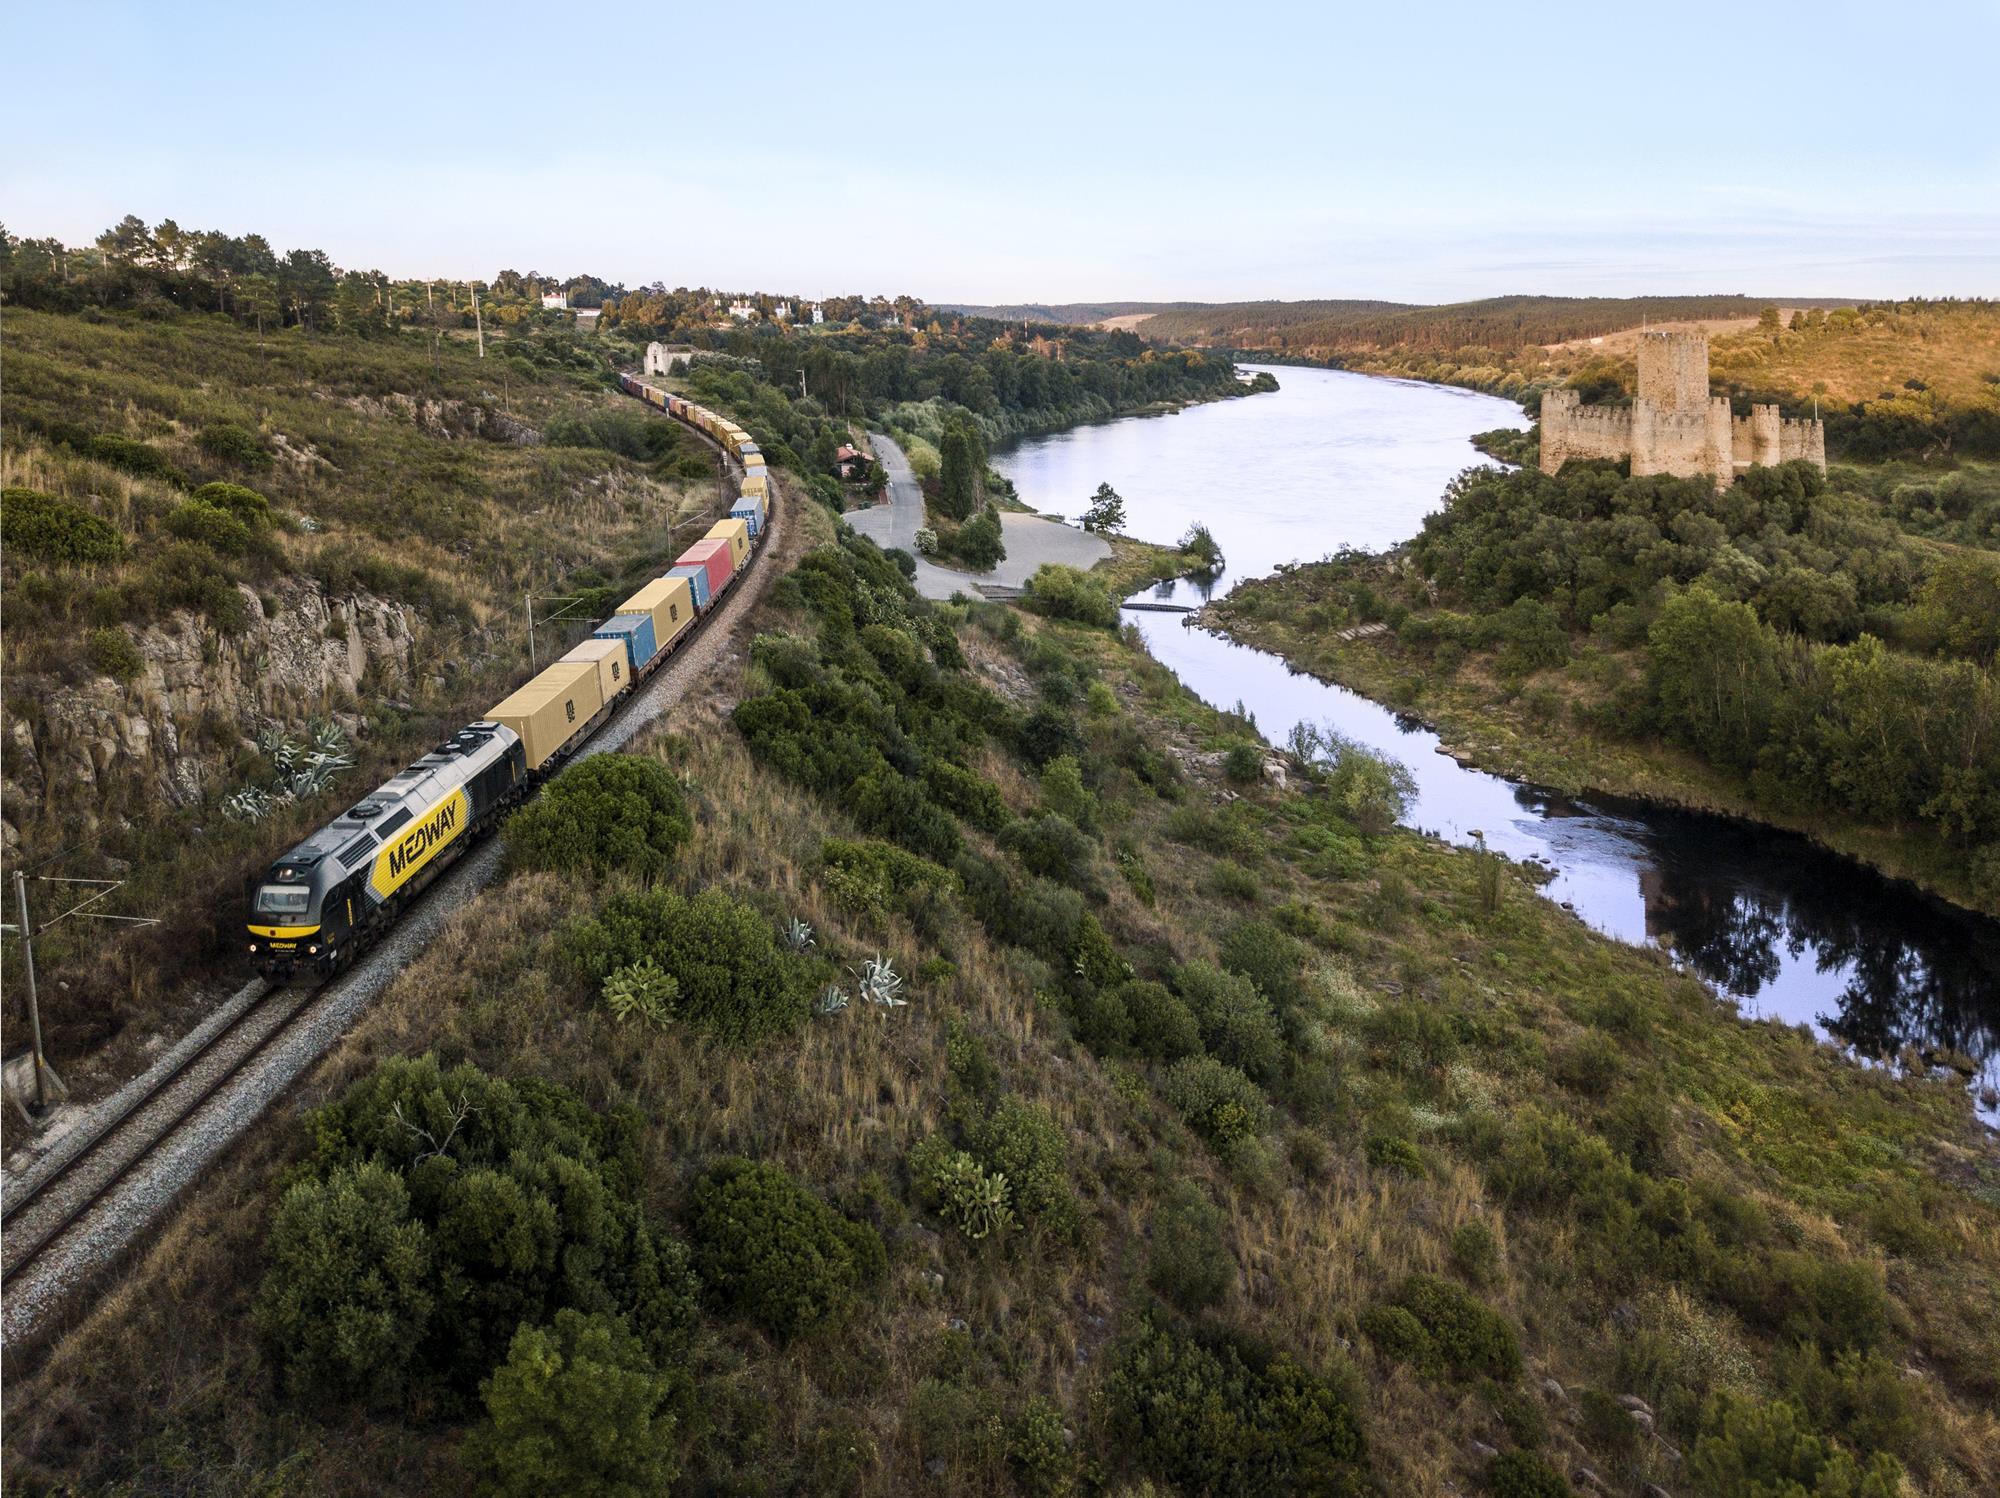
{"x":333,"y":894}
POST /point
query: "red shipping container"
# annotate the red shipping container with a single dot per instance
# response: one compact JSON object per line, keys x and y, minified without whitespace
{"x":715,"y":557}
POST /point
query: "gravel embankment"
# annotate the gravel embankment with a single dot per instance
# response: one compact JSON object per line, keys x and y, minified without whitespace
{"x":114,"y":1224}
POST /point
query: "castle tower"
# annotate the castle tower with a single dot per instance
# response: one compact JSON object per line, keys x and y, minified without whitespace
{"x":1673,"y":370}
{"x":1765,"y":448}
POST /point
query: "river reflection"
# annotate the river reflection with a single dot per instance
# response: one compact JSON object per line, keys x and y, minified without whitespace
{"x":1334,"y":459}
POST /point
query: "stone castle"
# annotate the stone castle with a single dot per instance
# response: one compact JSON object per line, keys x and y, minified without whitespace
{"x":1673,"y":424}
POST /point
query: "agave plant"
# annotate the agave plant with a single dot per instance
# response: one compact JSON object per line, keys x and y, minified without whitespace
{"x":251,"y":804}
{"x":878,"y":983}
{"x":642,"y":989}
{"x":798,"y":935}
{"x":832,"y":999}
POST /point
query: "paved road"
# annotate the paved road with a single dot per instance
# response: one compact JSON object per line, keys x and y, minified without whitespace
{"x":1030,"y":539}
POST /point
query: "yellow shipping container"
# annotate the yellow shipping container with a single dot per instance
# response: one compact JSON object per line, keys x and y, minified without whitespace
{"x":613,"y":661}
{"x":737,"y":534}
{"x":756,"y":482}
{"x":671,"y":603}
{"x":549,"y":711}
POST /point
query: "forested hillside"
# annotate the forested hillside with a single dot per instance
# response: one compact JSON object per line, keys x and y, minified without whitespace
{"x":1813,"y":663}
{"x":987,"y":1075}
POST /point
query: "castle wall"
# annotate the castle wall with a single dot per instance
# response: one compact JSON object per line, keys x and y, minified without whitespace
{"x":1573,"y":430}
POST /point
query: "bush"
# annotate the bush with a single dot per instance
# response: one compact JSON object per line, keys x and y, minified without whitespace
{"x":1475,"y":1251}
{"x":1243,"y":764}
{"x":347,"y":1297}
{"x":1237,"y":1025}
{"x":735,"y":981}
{"x":1447,"y":1334}
{"x":1039,"y":1451}
{"x":228,"y":442}
{"x":950,"y":1182}
{"x":1022,"y":1142}
{"x":1268,"y":958}
{"x":218,"y":530}
{"x":1065,"y":794}
{"x":1208,"y":1421}
{"x":578,"y":1408}
{"x":776,"y":1254}
{"x":112,"y":653}
{"x":1219,"y":1103}
{"x":1066,"y":593}
{"x":1053,"y":847}
{"x":1394,"y":1152}
{"x":978,"y":543}
{"x":247,"y":505}
{"x":1752,"y":1449}
{"x":611,"y":814}
{"x":1525,"y":1474}
{"x":871,"y":875}
{"x":1188,"y":1261}
{"x":55,"y":530}
{"x":133,"y":457}
{"x":1163,"y":1028}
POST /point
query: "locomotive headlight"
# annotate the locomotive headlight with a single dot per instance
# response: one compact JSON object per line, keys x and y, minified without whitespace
{"x":312,"y":951}
{"x":253,"y":946}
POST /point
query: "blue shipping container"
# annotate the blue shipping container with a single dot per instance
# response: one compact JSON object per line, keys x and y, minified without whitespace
{"x":697,"y":581}
{"x":636,"y":630}
{"x":747,"y":513}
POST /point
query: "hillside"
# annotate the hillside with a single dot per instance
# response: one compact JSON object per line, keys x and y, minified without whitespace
{"x":996,"y":1074}
{"x":227,"y":553}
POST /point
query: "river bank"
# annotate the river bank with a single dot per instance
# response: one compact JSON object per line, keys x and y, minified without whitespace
{"x":1483,"y":726}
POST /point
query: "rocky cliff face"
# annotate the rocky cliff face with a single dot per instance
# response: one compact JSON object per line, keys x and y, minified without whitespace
{"x":169,"y":734}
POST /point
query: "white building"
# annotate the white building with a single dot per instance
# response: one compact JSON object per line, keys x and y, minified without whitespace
{"x":742,"y":311}
{"x":555,"y":301}
{"x":783,"y":311}
{"x":818,"y":316}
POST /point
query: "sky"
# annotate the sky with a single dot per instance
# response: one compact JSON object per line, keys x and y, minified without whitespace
{"x":1039,"y":152}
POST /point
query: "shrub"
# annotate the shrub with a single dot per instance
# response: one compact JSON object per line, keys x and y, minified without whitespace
{"x":578,"y":1407}
{"x":247,"y":505}
{"x":1023,"y":1143}
{"x":1861,"y":1395}
{"x":203,"y":524}
{"x":978,"y":543}
{"x":1163,"y":1027}
{"x":228,"y":442}
{"x":1268,"y":958}
{"x":1237,"y":1025}
{"x":55,"y":530}
{"x":1394,"y":1152}
{"x":1188,"y":1261}
{"x":1243,"y":764}
{"x":1048,"y":734}
{"x":1065,"y":794}
{"x":613,"y":813}
{"x":1752,"y":1449}
{"x":1208,"y":1421}
{"x":1232,"y":881}
{"x":1053,"y":847}
{"x":776,"y":1254}
{"x":735,"y":980}
{"x":133,"y":457}
{"x":642,"y":989}
{"x":872,"y":875}
{"x":1525,"y":1474}
{"x":1219,"y":1103}
{"x":1039,"y":1452}
{"x":1475,"y":1251}
{"x":1455,"y":1335}
{"x":950,"y":1182}
{"x":111,"y":652}
{"x":348,"y":1296}
{"x":1065,"y":593}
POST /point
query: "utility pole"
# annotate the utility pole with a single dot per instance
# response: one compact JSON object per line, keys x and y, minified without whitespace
{"x":477,"y":322}
{"x":802,"y":383}
{"x":529,"y":600}
{"x":27,"y":934}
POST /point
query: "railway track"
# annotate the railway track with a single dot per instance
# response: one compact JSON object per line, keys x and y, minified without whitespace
{"x":67,"y":1217}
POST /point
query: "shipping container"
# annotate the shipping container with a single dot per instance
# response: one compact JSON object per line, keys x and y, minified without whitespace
{"x":669,"y":601}
{"x":695,"y":575}
{"x":756,"y":482}
{"x":614,"y":673}
{"x":714,"y":555}
{"x":737,"y":534}
{"x":746,"y":450}
{"x":758,"y":503}
{"x":636,"y":630}
{"x":754,"y":463}
{"x":746,"y":511}
{"x":551,"y":710}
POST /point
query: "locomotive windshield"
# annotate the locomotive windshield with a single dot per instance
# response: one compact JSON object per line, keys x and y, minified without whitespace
{"x":283,"y":899}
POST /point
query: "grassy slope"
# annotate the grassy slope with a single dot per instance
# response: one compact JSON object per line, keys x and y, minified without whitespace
{"x":451,"y":524}
{"x":165,"y":1385}
{"x":1527,"y":732}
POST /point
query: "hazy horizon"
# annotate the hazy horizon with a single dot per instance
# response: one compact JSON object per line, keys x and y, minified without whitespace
{"x":1147,"y":156}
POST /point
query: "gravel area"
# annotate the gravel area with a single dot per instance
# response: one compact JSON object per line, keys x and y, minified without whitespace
{"x":99,"y":1237}
{"x":1030,"y":539}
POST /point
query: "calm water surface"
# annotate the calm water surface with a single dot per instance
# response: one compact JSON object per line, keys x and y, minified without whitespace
{"x":1335,"y":460}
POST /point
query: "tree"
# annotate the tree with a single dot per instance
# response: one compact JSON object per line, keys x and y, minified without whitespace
{"x":578,"y":1407}
{"x":128,"y":241}
{"x":774,"y":1252}
{"x":1106,"y":511}
{"x":962,"y":472}
{"x":1713,"y":671}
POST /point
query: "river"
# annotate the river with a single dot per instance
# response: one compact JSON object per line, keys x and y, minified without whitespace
{"x":1335,"y":459}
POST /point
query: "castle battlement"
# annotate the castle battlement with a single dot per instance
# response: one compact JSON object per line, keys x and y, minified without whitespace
{"x":1673,"y":424}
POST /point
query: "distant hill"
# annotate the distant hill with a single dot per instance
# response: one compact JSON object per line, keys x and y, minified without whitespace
{"x":1067,"y":313}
